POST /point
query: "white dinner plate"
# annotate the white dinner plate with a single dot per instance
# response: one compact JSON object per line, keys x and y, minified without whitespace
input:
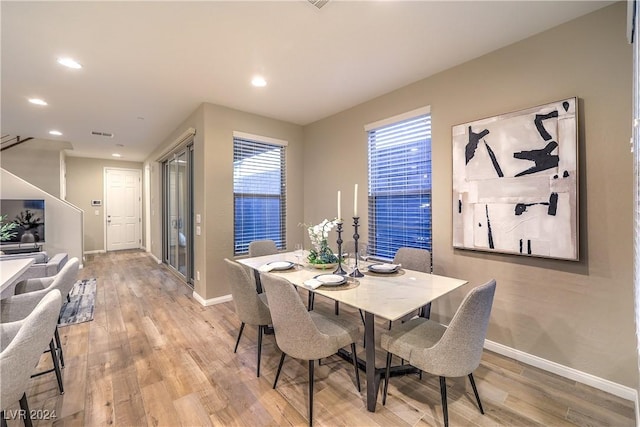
{"x":331,"y":279}
{"x":280,"y":265}
{"x":384,"y":268}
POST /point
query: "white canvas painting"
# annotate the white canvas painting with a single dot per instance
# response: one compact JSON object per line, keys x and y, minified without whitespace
{"x":515,"y":182}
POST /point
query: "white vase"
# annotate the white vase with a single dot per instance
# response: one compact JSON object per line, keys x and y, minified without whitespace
{"x":27,"y":237}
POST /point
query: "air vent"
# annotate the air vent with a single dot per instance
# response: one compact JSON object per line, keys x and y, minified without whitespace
{"x":105,"y":134}
{"x":318,"y":3}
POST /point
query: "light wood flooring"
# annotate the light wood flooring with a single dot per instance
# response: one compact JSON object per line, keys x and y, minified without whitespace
{"x":154,"y":356}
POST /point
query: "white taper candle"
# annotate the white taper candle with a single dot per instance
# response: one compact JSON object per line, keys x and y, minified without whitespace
{"x":355,"y":200}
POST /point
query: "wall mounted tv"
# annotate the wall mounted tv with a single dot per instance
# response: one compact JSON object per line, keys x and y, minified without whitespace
{"x":29,"y":217}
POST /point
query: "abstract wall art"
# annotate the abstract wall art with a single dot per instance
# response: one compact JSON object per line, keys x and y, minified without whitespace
{"x":515,"y":182}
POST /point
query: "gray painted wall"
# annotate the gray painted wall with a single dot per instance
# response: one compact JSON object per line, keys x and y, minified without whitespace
{"x":37,"y":161}
{"x":85,"y":182}
{"x":577,"y":314}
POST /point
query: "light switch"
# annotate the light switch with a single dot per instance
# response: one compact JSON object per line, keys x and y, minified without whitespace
{"x":198,"y":218}
{"x":197,"y":230}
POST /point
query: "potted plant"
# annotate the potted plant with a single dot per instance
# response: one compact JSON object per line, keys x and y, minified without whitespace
{"x":28,"y":221}
{"x":7,"y":229}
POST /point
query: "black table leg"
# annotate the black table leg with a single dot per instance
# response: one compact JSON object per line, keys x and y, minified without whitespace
{"x":373,"y":380}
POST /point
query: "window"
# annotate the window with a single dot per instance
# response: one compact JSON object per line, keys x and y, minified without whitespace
{"x":259,"y":191}
{"x":400,"y":183}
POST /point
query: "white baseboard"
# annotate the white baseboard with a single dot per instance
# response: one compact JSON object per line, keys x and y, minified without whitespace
{"x":99,"y":251}
{"x":566,"y":372}
{"x":211,"y":301}
{"x":155,"y":258}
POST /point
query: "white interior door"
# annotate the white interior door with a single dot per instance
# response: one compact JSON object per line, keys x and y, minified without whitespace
{"x":122,"y":209}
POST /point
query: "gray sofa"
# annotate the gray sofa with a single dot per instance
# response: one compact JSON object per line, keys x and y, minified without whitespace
{"x":43,"y":266}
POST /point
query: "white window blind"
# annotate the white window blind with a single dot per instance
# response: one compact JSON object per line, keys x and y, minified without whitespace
{"x":400,"y":186}
{"x":259,"y":193}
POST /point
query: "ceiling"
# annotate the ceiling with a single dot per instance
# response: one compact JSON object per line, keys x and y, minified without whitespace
{"x":148,"y":65}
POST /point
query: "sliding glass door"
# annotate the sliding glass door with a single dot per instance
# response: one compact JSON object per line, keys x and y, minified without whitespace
{"x":177,"y":213}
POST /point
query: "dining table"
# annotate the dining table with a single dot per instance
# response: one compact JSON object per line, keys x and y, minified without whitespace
{"x":389,"y":296}
{"x":11,"y":269}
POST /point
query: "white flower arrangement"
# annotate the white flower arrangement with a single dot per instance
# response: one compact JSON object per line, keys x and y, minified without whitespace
{"x":318,"y":234}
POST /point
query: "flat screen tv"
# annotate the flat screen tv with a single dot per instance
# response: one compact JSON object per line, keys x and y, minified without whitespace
{"x":29,"y":217}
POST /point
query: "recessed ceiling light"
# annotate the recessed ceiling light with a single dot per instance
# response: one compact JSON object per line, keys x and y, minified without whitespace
{"x":55,"y":132}
{"x":69,"y":62}
{"x":258,"y":81}
{"x":37,"y":101}
{"x":116,"y":155}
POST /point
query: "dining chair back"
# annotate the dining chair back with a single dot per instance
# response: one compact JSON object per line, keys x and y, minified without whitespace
{"x":262,"y":247}
{"x":37,"y":288}
{"x":303,"y":334}
{"x":413,"y":259}
{"x":418,"y":260}
{"x":28,"y":294}
{"x":251,"y":307}
{"x":22,"y":344}
{"x":446,"y":351}
{"x":349,"y":247}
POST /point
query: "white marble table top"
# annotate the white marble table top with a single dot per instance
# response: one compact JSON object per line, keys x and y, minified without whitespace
{"x":387,"y":296}
{"x":11,"y":269}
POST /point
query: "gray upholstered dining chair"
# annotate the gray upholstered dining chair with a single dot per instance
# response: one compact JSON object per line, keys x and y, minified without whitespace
{"x":349,"y":247}
{"x":28,"y":295}
{"x":251,"y":307}
{"x":303,"y":334}
{"x":418,"y":260}
{"x":446,"y":351}
{"x":64,"y":281}
{"x":262,"y":247}
{"x":22,"y":343}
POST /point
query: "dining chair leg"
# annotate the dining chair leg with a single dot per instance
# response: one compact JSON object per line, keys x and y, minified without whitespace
{"x":425,"y":311}
{"x":336,"y":308}
{"x":56,"y":335}
{"x":24,"y":405}
{"x":443,"y":396}
{"x":310,"y":301}
{"x":279,"y":369}
{"x":386,"y":377}
{"x":56,"y":365}
{"x":355,"y":364}
{"x":239,"y":335}
{"x":475,"y":391}
{"x":311,"y":363}
{"x":260,"y":330}
{"x":3,"y":420}
{"x":364,"y":336}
